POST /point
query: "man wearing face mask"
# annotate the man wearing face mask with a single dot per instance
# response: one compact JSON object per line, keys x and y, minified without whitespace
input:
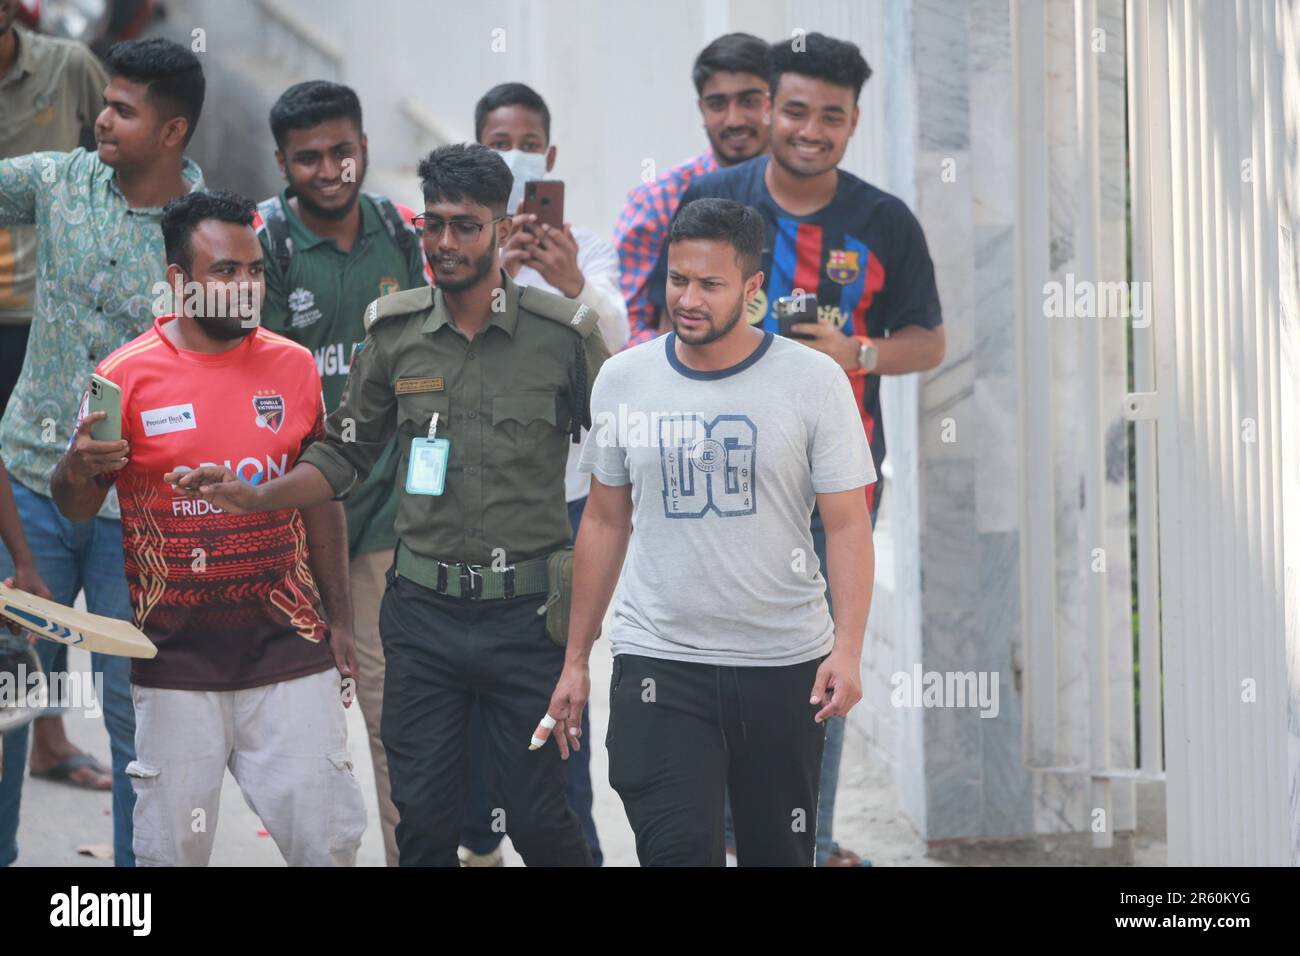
{"x":330,"y":250}
{"x":576,"y":262}
{"x":514,"y":120}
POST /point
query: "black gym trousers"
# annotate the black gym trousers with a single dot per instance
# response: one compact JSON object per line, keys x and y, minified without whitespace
{"x":440,"y":653}
{"x":681,"y":733}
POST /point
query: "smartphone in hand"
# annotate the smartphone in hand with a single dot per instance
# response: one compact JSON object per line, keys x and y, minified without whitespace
{"x":544,"y":198}
{"x":792,"y":309}
{"x":105,"y":397}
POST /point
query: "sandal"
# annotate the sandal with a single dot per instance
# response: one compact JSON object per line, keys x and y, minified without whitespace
{"x":842,"y":857}
{"x":62,"y":772}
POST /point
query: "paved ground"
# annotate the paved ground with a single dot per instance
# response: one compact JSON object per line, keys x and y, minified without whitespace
{"x":58,"y":819}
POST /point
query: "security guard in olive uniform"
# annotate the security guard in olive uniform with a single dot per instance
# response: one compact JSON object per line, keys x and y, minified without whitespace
{"x":484,"y":383}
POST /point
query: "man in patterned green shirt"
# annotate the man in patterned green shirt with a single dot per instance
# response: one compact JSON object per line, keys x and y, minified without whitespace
{"x":51,"y":90}
{"x":100,"y":274}
{"x":330,"y":250}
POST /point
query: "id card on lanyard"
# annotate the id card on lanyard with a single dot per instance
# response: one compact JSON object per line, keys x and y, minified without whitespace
{"x":426,"y":471}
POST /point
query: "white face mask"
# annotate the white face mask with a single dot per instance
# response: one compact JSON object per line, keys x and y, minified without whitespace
{"x":523,"y":166}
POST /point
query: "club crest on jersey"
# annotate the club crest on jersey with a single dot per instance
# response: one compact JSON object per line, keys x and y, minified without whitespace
{"x":269,"y":409}
{"x":842,"y":266}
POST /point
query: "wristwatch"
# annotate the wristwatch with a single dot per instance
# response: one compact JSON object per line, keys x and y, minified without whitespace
{"x":868,"y":354}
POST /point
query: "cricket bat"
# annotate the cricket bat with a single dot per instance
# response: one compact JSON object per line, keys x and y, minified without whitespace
{"x":67,"y":625}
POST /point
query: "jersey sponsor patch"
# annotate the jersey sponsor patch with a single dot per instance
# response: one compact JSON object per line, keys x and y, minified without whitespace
{"x":171,"y":418}
{"x":405,"y":386}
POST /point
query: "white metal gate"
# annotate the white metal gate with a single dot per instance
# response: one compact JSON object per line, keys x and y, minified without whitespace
{"x":1210,"y":160}
{"x":1206,"y":138}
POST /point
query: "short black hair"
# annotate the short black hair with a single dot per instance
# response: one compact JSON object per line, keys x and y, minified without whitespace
{"x":823,"y":58}
{"x":723,"y":220}
{"x":731,"y":53}
{"x":511,"y":94}
{"x":173,"y":74}
{"x":182,"y":215}
{"x":466,"y":171}
{"x":309,"y":104}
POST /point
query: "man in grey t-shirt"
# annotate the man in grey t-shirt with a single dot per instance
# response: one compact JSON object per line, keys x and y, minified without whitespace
{"x":715,"y":442}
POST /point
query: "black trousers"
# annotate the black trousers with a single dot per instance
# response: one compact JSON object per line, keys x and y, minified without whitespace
{"x":441,"y":654}
{"x":681,"y":734}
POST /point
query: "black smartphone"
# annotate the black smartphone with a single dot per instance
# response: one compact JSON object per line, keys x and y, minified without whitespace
{"x":792,"y":309}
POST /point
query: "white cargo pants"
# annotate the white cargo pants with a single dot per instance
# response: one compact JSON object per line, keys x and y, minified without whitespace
{"x":285,"y":744}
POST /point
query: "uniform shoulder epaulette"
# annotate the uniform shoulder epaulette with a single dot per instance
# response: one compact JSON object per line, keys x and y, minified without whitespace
{"x":569,"y":312}
{"x":399,"y":303}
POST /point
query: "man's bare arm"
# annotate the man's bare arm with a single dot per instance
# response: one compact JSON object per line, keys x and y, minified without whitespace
{"x":327,"y":547}
{"x":598,"y":557}
{"x":327,"y":550}
{"x":851,"y":560}
{"x":913,"y":348}
{"x":303,"y":487}
{"x":80,"y":481}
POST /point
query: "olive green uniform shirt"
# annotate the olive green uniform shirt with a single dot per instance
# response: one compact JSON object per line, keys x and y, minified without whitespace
{"x":505,"y":401}
{"x":319,"y":302}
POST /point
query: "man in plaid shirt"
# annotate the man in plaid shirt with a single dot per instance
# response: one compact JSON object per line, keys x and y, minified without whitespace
{"x":731,"y":78}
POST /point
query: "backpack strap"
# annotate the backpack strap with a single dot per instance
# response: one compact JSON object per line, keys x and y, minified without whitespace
{"x":401,"y":232}
{"x":579,"y":319}
{"x":277,"y":228}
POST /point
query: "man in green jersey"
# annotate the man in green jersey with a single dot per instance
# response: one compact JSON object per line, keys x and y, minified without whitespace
{"x":330,"y":250}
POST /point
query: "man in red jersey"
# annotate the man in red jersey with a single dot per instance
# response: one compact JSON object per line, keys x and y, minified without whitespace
{"x":248,"y":668}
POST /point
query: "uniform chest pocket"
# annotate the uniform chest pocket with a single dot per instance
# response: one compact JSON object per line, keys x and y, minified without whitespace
{"x":524,"y":419}
{"x":415,"y":411}
{"x":524,"y":408}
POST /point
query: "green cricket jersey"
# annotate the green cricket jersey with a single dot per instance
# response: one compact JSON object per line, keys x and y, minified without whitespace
{"x":319,"y":301}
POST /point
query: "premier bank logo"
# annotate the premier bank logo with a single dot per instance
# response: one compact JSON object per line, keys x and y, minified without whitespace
{"x":134,"y":910}
{"x":173,"y":418}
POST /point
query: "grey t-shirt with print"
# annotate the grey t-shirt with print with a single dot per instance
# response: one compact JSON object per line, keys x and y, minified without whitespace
{"x":725,"y":467}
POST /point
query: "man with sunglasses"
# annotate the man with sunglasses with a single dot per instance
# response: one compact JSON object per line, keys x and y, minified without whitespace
{"x":483,"y":383}
{"x":515,"y":121}
{"x":331,"y":249}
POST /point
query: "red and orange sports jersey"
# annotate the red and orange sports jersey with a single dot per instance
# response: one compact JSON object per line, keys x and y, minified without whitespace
{"x":229,"y":599}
